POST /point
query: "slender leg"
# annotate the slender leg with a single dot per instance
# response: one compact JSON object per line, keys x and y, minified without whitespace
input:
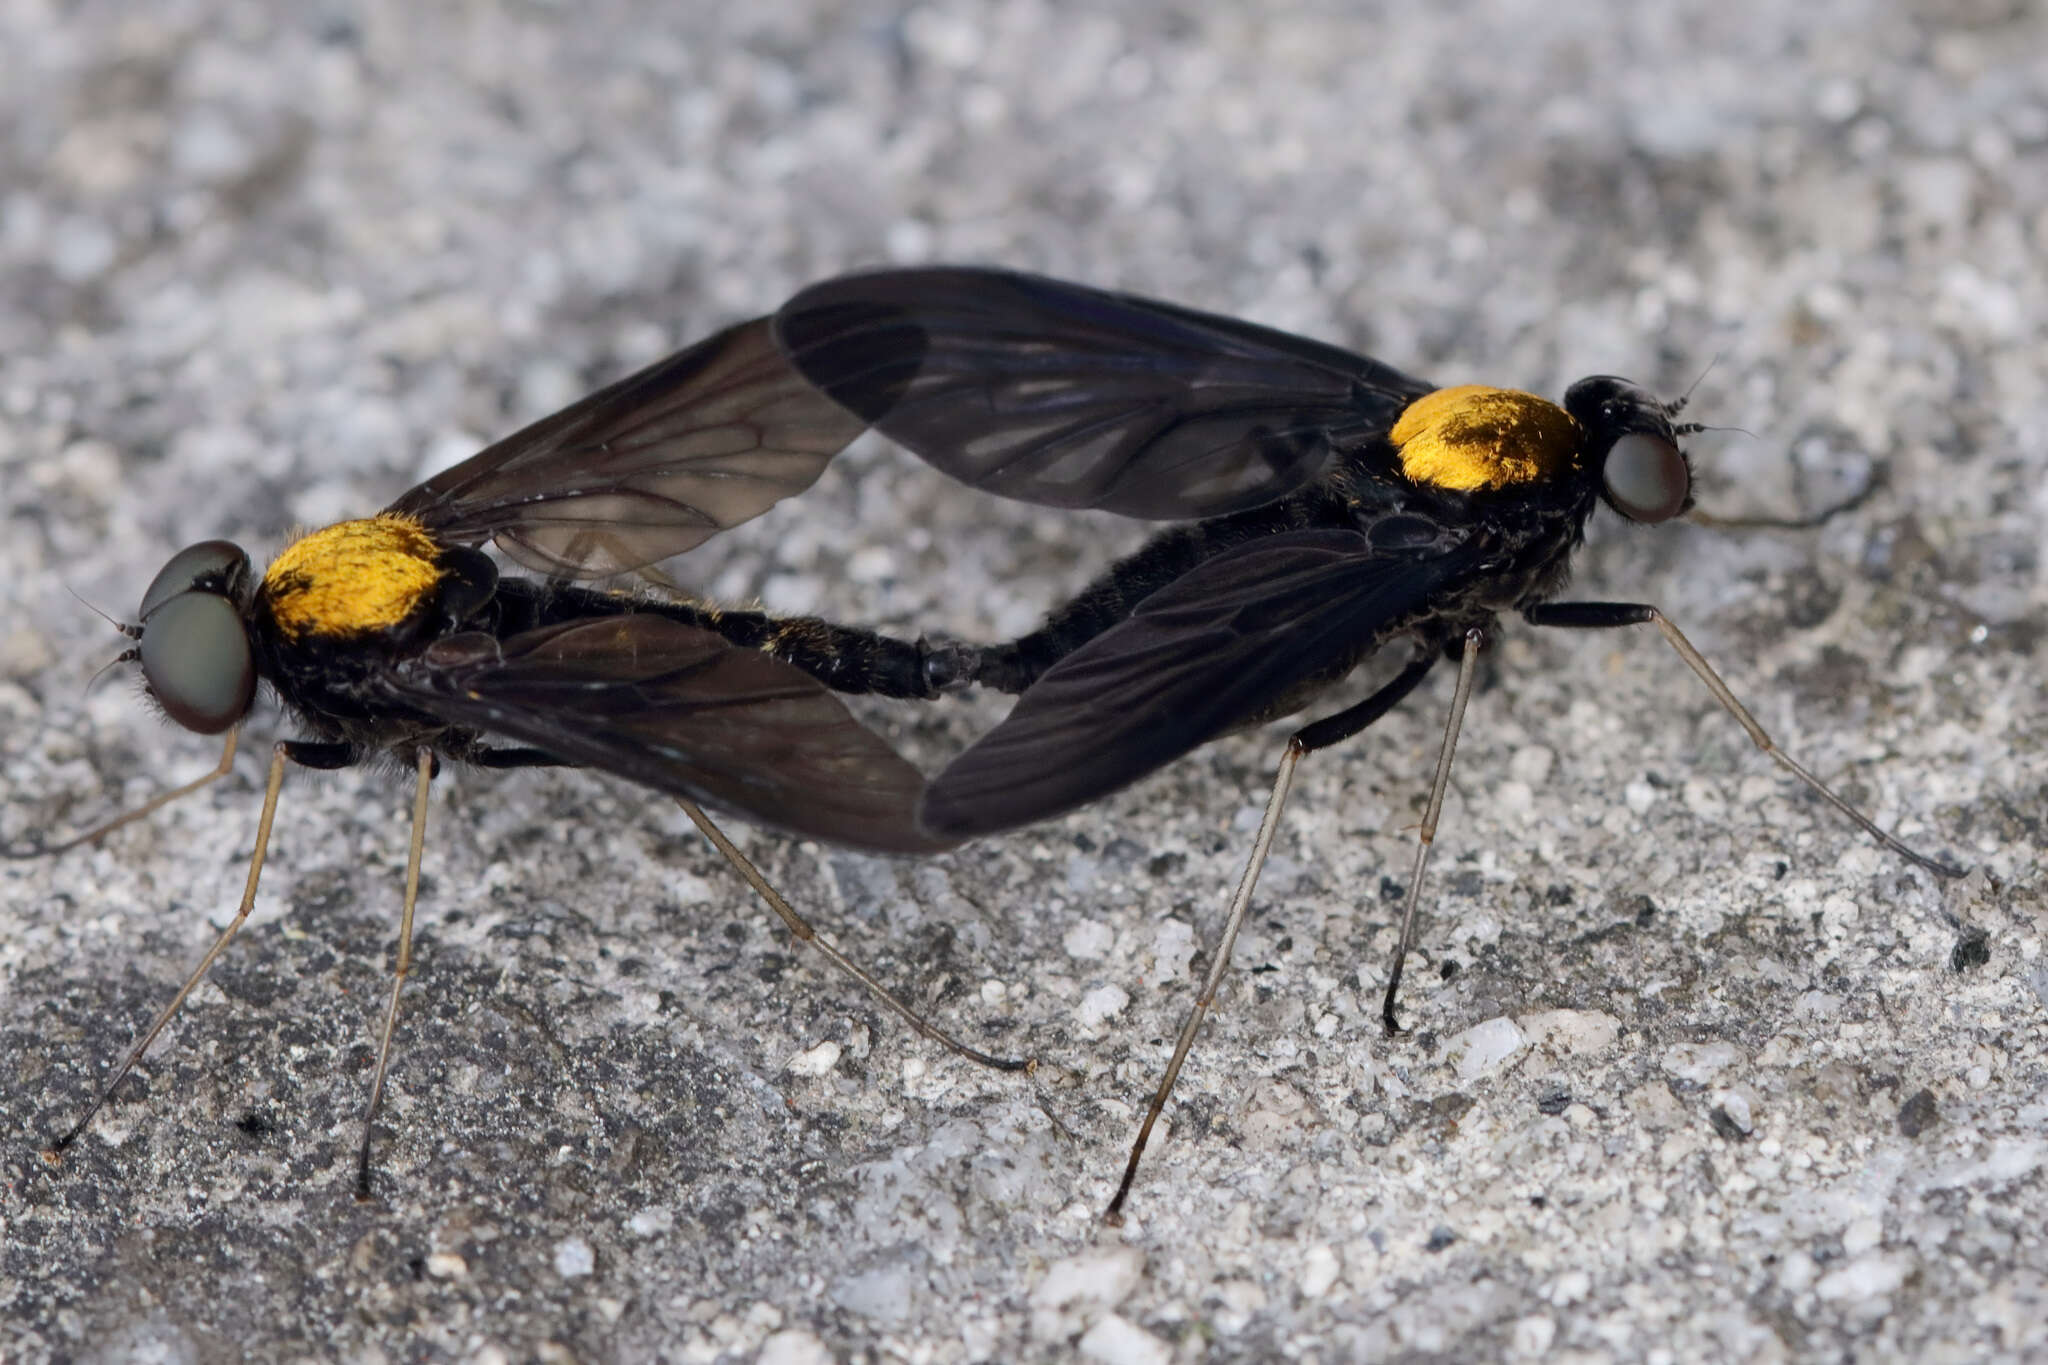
{"x":279,"y":754}
{"x":1826,"y":514}
{"x":1475,"y":640}
{"x":1330,"y":730}
{"x":1240,"y":905}
{"x":801,"y":930}
{"x":421,"y":784}
{"x":155,"y":803}
{"x":1607,"y":615}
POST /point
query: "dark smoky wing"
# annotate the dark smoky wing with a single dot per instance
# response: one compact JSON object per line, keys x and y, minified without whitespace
{"x":647,"y":467}
{"x":1226,"y":644}
{"x":685,"y":712}
{"x":1058,"y":394}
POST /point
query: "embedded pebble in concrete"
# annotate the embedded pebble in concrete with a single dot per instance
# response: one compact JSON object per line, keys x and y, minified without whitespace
{"x":814,"y":1061}
{"x":1101,"y":1005}
{"x":1484,"y":1048}
{"x":1114,"y":1341}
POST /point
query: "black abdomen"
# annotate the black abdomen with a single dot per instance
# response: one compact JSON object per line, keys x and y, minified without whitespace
{"x":845,"y":658}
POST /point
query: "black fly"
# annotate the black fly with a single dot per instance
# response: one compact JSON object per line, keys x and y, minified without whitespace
{"x":396,"y":635}
{"x":1337,"y":507}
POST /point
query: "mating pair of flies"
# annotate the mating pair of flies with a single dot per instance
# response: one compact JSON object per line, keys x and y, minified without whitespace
{"x":1326,"y":507}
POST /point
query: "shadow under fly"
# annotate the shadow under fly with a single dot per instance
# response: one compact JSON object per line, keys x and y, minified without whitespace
{"x":397,"y":635}
{"x":1336,"y":507}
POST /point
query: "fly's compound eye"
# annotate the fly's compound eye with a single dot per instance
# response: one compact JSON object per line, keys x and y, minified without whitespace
{"x":196,"y":659}
{"x":194,"y":649}
{"x":214,"y":566}
{"x":1646,"y":478}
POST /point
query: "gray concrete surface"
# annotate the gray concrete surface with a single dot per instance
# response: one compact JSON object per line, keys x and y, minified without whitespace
{"x":1697,"y":1072}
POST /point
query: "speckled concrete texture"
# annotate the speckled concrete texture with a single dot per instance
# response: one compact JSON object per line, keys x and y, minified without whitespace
{"x":1697,"y":1071}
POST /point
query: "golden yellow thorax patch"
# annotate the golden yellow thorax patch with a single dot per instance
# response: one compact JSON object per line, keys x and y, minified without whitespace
{"x":352,"y":578}
{"x":1473,"y":437}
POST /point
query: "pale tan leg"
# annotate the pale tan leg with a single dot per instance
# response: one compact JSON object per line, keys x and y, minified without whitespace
{"x":55,"y":1150}
{"x":422,"y":783}
{"x":1240,"y":906}
{"x":1426,"y":836}
{"x":1613,"y":615}
{"x":1698,"y":664}
{"x":1321,"y":734}
{"x":155,"y":803}
{"x":801,"y":930}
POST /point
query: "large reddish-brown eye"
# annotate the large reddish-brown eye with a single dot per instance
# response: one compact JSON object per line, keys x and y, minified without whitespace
{"x":1646,"y":478}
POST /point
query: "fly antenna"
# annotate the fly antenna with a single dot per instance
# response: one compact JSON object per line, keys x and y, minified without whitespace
{"x":132,"y":632}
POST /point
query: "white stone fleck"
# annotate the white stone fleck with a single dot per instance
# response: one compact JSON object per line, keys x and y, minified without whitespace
{"x":1320,"y":1269}
{"x":1088,"y":940}
{"x":1114,"y":1341}
{"x":1862,"y":1234}
{"x":651,"y":1221}
{"x":794,"y":1347}
{"x":815,"y":1061}
{"x":1872,"y":1276}
{"x":1571,"y":1031}
{"x":1484,"y":1048}
{"x":1514,"y":798}
{"x":884,"y":1293}
{"x":871,"y":564}
{"x":1080,"y":1288}
{"x":1101,"y":1005}
{"x":1699,"y":1062}
{"x":1531,"y":764}
{"x":1837,"y":100}
{"x":1735,"y":1104}
{"x":1704,"y":801}
{"x":574,"y":1258}
{"x":1569,"y":1288}
{"x":1533,"y":1335}
{"x":1173,"y":947}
